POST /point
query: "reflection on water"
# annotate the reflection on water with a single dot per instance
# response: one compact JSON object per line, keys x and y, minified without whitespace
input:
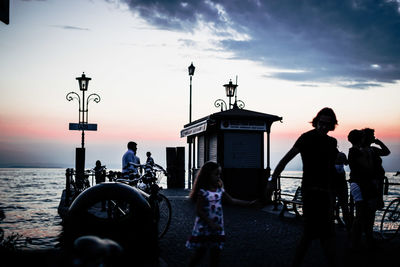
{"x":30,"y":198}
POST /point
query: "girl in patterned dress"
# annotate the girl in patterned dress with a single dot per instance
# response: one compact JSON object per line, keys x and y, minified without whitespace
{"x":208,"y":231}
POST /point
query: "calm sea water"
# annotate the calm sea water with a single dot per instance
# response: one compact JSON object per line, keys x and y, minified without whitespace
{"x":30,"y":198}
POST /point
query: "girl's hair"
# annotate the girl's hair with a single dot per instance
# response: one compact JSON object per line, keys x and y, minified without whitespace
{"x":325,"y":112}
{"x":202,"y":180}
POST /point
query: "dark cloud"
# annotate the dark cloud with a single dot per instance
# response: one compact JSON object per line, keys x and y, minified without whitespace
{"x":67,"y":27}
{"x":324,"y":40}
{"x":362,"y":85}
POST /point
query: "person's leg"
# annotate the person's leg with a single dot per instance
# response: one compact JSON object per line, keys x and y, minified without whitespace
{"x":197,"y":256}
{"x":329,"y":248}
{"x":214,"y":256}
{"x":370,"y":220}
{"x":301,"y":250}
{"x":357,"y":227}
{"x":343,"y":199}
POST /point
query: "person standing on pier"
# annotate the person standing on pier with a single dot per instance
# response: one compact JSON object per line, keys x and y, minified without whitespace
{"x":362,"y":188}
{"x":341,"y":190}
{"x":100,"y":176}
{"x":99,"y":172}
{"x":318,"y":153}
{"x":129,"y":158}
{"x":375,"y":153}
{"x":149,"y":160}
{"x":208,"y":230}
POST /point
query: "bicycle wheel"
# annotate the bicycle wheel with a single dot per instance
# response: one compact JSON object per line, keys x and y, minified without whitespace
{"x":164,"y":215}
{"x":391,"y":220}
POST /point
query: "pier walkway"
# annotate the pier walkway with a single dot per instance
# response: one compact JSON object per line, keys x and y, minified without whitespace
{"x":258,"y":237}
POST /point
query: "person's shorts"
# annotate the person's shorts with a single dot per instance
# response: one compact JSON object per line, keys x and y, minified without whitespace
{"x":355,"y":191}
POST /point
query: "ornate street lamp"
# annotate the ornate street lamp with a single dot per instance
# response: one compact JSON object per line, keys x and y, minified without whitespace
{"x":83,"y":82}
{"x":83,"y":109}
{"x":231,"y":91}
{"x":191,"y":69}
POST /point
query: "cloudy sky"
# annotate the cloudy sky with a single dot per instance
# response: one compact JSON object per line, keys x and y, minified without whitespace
{"x":292,"y":58}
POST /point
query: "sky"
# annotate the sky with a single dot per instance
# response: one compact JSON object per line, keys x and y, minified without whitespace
{"x":291,"y":59}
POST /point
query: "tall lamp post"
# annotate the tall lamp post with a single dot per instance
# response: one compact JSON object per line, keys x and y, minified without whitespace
{"x":83,"y":124}
{"x":191,"y":69}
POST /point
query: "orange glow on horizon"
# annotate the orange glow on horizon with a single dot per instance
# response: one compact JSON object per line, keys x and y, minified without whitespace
{"x":57,"y":130}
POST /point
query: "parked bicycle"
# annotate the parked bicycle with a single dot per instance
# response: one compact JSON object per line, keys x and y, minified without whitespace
{"x":390,"y":223}
{"x":147,"y":183}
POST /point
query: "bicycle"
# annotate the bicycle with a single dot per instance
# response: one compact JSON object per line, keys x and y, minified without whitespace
{"x":147,"y":184}
{"x":390,"y":223}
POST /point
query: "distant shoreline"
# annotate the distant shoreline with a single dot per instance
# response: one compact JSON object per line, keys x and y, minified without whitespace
{"x":63,"y":167}
{"x":30,"y":167}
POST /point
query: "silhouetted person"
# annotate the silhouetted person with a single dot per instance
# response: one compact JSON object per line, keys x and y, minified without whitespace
{"x":208,"y":231}
{"x":318,"y":153}
{"x":129,"y":158}
{"x":149,"y":160}
{"x":375,"y":153}
{"x":100,"y":177}
{"x":99,"y":172}
{"x":362,"y":188}
{"x":341,"y":189}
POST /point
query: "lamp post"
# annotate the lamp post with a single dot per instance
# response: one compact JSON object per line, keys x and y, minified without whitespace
{"x":191,"y":69}
{"x":83,"y":109}
{"x":230,"y":90}
{"x":83,"y":121}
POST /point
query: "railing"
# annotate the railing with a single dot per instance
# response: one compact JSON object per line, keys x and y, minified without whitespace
{"x":391,"y":191}
{"x":74,"y":184}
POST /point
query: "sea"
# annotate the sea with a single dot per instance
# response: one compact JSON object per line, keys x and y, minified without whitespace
{"x":29,"y":198}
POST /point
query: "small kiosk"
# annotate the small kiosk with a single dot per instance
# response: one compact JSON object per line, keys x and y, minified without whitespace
{"x":235,"y":139}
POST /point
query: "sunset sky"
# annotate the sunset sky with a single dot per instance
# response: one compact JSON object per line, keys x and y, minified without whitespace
{"x":292,"y":58}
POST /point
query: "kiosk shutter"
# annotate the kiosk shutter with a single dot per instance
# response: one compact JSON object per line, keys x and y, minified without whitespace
{"x":243,"y":150}
{"x":200,"y":150}
{"x":212,"y":150}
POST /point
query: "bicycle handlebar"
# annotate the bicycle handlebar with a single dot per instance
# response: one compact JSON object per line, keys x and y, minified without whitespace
{"x":148,"y":166}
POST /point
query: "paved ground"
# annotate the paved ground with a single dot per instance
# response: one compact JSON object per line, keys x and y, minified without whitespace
{"x":257,"y":237}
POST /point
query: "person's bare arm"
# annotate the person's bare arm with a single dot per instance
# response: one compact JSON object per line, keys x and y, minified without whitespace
{"x":384,"y":150}
{"x":284,"y":161}
{"x":235,"y":201}
{"x":281,"y":166}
